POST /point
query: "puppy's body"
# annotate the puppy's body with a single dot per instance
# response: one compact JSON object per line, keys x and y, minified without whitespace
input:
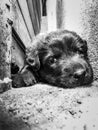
{"x":60,"y":58}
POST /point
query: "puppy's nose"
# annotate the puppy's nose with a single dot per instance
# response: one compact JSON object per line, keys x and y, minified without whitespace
{"x":79,"y":74}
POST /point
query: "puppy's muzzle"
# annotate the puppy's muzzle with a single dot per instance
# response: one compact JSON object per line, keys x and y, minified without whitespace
{"x":76,"y":71}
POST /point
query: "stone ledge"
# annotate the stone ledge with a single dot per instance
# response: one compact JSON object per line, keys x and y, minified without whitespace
{"x":42,"y":107}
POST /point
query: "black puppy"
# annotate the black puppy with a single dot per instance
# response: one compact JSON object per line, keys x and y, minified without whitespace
{"x":60,"y":58}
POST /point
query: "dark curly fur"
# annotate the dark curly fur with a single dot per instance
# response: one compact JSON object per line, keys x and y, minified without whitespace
{"x":60,"y":58}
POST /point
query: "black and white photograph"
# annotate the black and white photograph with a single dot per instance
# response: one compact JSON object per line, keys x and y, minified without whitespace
{"x":48,"y":64}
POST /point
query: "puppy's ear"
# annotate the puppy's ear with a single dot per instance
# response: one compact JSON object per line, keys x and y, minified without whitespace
{"x":32,"y":58}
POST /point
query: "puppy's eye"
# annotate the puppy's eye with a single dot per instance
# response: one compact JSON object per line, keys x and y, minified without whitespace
{"x":52,"y":60}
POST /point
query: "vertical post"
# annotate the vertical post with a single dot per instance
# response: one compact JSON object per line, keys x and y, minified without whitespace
{"x":5,"y":44}
{"x":51,"y":15}
{"x":54,"y":14}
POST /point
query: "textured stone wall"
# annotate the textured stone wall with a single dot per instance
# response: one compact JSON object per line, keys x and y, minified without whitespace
{"x":5,"y":42}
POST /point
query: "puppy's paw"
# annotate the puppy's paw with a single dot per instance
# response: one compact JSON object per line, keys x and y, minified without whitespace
{"x":24,"y":78}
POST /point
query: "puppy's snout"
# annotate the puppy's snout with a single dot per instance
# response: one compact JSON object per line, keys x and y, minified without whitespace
{"x":79,"y":73}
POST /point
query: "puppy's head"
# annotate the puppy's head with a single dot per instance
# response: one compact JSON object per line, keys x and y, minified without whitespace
{"x":60,"y":58}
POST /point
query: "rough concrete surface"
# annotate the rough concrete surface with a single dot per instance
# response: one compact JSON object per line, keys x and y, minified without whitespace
{"x":43,"y":107}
